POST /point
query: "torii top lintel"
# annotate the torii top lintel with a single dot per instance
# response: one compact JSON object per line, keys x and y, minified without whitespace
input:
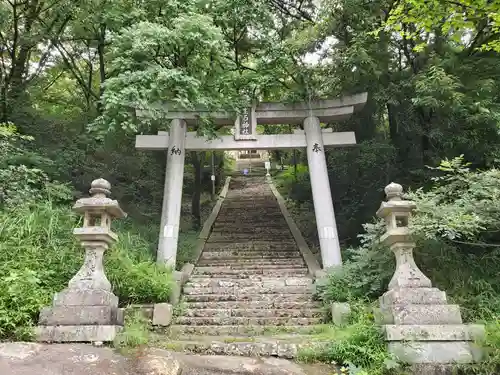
{"x":274,"y":113}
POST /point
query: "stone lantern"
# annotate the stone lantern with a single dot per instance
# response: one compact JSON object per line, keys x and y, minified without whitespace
{"x":87,"y":310}
{"x":396,"y":212}
{"x":421,"y":328}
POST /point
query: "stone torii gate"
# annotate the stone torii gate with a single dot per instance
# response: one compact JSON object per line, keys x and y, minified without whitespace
{"x":177,"y":141}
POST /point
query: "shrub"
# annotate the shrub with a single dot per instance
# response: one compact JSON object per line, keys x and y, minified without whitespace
{"x":296,"y":186}
{"x":366,"y":272}
{"x":359,"y":345}
{"x":136,"y":332}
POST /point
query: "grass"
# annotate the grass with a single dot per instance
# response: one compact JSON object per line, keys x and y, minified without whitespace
{"x":358,"y":345}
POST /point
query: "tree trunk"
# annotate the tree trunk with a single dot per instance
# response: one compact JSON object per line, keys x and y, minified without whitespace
{"x":196,"y":160}
{"x":102,"y":67}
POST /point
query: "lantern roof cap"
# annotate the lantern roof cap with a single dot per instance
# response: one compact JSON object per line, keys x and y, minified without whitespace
{"x":99,"y":202}
{"x":395,"y":203}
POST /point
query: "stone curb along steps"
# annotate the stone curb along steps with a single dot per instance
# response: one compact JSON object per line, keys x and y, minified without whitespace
{"x":250,"y":293}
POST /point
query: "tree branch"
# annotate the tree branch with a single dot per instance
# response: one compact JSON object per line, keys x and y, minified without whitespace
{"x":479,"y":244}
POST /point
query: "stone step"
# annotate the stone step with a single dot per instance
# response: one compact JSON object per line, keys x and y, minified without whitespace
{"x":268,"y":197}
{"x":264,"y":200}
{"x":258,"y":269}
{"x":251,"y":231}
{"x":256,"y":225}
{"x":271,"y":348}
{"x":240,"y":297}
{"x":252,"y":262}
{"x":256,"y":254}
{"x":227,"y":321}
{"x":228,"y":305}
{"x":248,"y":216}
{"x":255,"y":289}
{"x":251,"y":211}
{"x":237,"y":203}
{"x":276,"y":336}
{"x":254,"y":313}
{"x":247,"y":235}
{"x":248,"y":245}
{"x":223,"y":272}
{"x":241,"y":331}
{"x":268,"y":213}
{"x":261,"y":281}
{"x":216,"y":237}
{"x":251,"y":252}
{"x":245,"y":219}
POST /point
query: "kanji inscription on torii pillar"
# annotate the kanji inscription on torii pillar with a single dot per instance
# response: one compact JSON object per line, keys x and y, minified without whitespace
{"x":245,"y":125}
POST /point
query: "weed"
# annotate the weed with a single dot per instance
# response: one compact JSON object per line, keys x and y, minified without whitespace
{"x":359,"y":345}
{"x":135,"y":333}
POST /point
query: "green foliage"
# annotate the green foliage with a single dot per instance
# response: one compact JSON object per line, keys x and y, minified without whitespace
{"x":22,"y":295}
{"x":176,"y":61}
{"x":366,"y":272}
{"x":295,"y":183}
{"x":187,"y":247}
{"x":461,"y":205}
{"x":136,"y":332}
{"x":491,"y":343}
{"x":458,"y":19}
{"x":20,"y":184}
{"x":359,"y":345}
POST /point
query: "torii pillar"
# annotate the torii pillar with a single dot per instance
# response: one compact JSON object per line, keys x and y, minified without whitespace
{"x":322,"y":196}
{"x":172,"y":194}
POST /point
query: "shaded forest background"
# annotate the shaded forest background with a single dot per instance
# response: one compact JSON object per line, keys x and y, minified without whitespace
{"x":72,"y":71}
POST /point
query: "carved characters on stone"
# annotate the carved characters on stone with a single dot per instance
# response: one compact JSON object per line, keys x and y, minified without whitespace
{"x":175,"y":150}
{"x":245,"y":128}
{"x":316,"y":147}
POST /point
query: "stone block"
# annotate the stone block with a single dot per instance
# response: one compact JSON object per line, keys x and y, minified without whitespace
{"x":145,"y":310}
{"x":75,"y":315}
{"x":451,"y":332}
{"x":413,"y":296}
{"x":158,"y":361}
{"x":77,"y":333}
{"x":298,"y":281}
{"x":378,"y":316}
{"x":187,"y":270}
{"x":85,"y":297}
{"x":340,"y":313}
{"x":162,"y":314}
{"x":432,"y":351}
{"x":178,"y":276}
{"x":431,"y":369}
{"x":421,"y":314}
{"x":175,"y":293}
{"x":273,"y":283}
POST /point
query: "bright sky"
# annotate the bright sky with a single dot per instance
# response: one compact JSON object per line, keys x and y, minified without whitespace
{"x":318,"y":56}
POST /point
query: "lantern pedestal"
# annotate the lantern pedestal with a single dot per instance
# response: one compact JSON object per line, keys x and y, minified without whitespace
{"x":87,"y":310}
{"x":420,"y":326}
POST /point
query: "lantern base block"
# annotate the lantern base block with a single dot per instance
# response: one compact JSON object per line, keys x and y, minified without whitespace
{"x":77,"y":333}
{"x":445,"y":352}
{"x":85,"y":297}
{"x":80,"y":315}
{"x":421,"y":327}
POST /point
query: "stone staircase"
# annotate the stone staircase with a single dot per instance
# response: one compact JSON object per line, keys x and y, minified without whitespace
{"x":250,"y":293}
